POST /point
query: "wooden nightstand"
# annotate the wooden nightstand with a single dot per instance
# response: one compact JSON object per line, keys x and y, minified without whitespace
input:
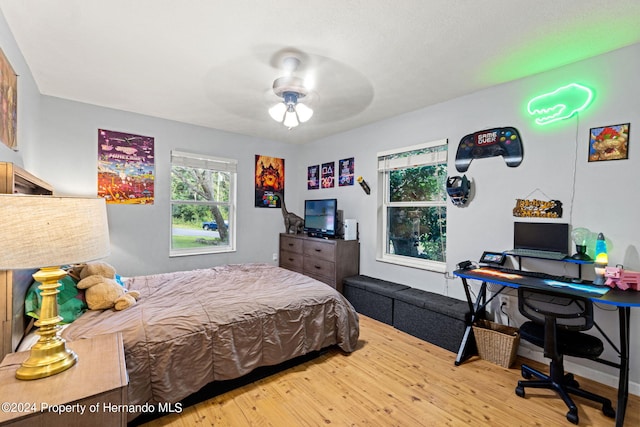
{"x":95,"y":385}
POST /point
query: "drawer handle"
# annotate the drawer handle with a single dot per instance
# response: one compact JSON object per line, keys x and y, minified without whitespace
{"x":318,"y":250}
{"x":290,"y":259}
{"x":290,"y":244}
{"x":317,"y":266}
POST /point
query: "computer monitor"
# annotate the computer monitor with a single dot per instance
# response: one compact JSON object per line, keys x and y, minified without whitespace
{"x":543,"y":236}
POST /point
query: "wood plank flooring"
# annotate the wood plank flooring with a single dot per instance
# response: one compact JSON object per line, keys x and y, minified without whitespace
{"x":393,"y":379}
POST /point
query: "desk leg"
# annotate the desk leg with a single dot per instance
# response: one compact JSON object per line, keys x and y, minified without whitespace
{"x":624,"y":315}
{"x":468,"y":344}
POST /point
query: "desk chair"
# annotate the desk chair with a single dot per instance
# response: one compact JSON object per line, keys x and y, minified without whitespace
{"x":555,"y":324}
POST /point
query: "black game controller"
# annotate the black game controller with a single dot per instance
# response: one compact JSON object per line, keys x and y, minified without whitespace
{"x":503,"y":142}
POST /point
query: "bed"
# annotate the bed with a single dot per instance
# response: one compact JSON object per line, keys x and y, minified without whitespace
{"x":191,"y":328}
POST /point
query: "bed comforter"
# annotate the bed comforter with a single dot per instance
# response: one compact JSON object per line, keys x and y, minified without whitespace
{"x":193,"y":327}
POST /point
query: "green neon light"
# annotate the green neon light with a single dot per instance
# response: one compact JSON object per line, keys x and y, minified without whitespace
{"x":560,"y":104}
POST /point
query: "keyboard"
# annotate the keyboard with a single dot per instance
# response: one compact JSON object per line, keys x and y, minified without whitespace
{"x":536,"y":274}
{"x":561,"y":281}
{"x":534,"y":253}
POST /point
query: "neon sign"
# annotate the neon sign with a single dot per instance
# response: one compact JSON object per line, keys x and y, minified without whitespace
{"x":560,"y":104}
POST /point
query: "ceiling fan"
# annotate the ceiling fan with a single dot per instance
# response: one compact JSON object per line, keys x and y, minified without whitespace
{"x":291,"y":110}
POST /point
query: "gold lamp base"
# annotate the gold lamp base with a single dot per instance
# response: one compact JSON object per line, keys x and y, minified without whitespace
{"x":49,"y":356}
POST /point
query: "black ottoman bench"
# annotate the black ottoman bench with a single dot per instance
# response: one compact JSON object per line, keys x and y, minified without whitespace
{"x":372,"y":297}
{"x":435,"y":318}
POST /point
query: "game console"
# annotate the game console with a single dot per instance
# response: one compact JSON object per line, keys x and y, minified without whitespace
{"x":503,"y":142}
{"x":350,"y":227}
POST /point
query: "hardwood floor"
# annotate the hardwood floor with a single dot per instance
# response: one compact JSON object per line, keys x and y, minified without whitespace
{"x":393,"y":379}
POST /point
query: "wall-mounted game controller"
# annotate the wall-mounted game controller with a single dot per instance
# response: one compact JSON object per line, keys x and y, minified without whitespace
{"x":503,"y":142}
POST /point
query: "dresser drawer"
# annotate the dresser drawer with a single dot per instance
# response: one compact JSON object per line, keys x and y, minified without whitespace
{"x":290,"y":244}
{"x":291,"y":260}
{"x":324,"y":279}
{"x":319,"y":267}
{"x":320,"y":249}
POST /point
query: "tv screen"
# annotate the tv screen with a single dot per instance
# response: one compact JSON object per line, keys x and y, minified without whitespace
{"x":321,"y":217}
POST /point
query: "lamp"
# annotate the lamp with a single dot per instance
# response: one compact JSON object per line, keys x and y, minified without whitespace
{"x":580,"y":236}
{"x":290,"y":112}
{"x":602,"y":259}
{"x":48,"y":231}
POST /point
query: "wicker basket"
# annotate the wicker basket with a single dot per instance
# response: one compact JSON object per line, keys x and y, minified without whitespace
{"x":496,"y":343}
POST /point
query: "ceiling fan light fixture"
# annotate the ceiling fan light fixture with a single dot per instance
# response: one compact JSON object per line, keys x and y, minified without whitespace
{"x":290,"y":112}
{"x":304,"y":112}
{"x":290,"y":118}
{"x":277,"y":111}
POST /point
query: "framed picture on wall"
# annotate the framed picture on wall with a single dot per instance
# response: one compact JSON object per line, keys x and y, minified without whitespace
{"x":313,"y":177}
{"x":328,"y":175}
{"x":269,"y":181}
{"x":9,"y":102}
{"x":125,"y":168}
{"x":609,"y":143}
{"x":346,"y":168}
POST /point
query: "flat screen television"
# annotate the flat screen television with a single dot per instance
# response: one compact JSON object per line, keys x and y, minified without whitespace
{"x":321,"y":217}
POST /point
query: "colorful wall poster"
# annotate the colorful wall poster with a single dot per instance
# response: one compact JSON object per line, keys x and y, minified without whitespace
{"x":125,"y":167}
{"x":328,"y":175}
{"x":313,"y":177}
{"x":346,"y":168}
{"x":269,"y":180}
{"x":9,"y":103}
{"x":609,"y":143}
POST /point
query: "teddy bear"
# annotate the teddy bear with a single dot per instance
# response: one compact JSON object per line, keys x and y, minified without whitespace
{"x":101,"y":289}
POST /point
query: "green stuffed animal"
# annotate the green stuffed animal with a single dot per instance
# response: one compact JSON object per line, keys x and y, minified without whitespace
{"x":102,"y":291}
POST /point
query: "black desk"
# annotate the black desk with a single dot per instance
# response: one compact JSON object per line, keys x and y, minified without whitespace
{"x":623,"y":300}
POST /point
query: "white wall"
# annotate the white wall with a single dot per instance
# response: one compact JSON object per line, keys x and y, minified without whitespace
{"x":140,"y":234}
{"x":28,"y":102}
{"x":602,"y":196}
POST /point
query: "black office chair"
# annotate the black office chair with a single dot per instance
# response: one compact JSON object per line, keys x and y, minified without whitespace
{"x":556,"y":322}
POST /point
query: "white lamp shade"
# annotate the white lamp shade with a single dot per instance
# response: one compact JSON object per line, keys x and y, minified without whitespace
{"x":290,"y":119}
{"x":277,"y":111}
{"x":304,"y":112}
{"x":45,"y":231}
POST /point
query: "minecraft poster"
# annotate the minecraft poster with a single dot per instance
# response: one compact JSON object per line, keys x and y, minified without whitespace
{"x":269,"y":181}
{"x":125,"y":168}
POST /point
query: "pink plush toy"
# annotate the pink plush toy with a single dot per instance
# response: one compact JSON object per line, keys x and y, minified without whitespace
{"x":617,"y":277}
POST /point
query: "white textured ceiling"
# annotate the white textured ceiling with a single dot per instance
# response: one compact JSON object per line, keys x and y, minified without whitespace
{"x":212,"y":63}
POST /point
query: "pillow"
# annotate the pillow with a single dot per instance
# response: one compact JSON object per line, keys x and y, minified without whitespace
{"x":71,"y":302}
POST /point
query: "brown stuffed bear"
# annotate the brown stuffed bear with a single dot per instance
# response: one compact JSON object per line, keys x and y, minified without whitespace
{"x":102,"y":291}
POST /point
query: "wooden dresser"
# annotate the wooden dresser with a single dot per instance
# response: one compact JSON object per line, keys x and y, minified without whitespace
{"x":14,"y":284}
{"x":327,"y":260}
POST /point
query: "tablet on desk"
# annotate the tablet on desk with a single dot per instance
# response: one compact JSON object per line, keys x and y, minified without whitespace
{"x":492,"y":258}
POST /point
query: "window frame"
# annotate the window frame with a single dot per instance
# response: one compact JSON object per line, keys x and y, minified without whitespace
{"x":214,"y":163}
{"x":384,"y":169}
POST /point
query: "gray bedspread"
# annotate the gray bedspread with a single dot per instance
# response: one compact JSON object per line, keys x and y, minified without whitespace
{"x":193,"y":327}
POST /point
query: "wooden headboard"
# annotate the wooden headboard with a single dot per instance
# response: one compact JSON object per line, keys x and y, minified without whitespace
{"x":14,"y":284}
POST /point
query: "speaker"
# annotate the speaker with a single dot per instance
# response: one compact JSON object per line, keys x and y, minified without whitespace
{"x":350,"y":229}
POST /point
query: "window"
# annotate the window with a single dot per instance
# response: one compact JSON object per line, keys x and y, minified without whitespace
{"x":412,"y":219}
{"x":203,"y":204}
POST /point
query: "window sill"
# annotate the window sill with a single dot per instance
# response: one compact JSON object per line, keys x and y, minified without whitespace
{"x":439,"y":267}
{"x":187,"y":252}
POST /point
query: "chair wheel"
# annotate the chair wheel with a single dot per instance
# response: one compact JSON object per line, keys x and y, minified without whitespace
{"x":608,"y":411}
{"x":526,"y":374}
{"x":570,"y":381}
{"x":572,"y":417}
{"x":520,"y":392}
